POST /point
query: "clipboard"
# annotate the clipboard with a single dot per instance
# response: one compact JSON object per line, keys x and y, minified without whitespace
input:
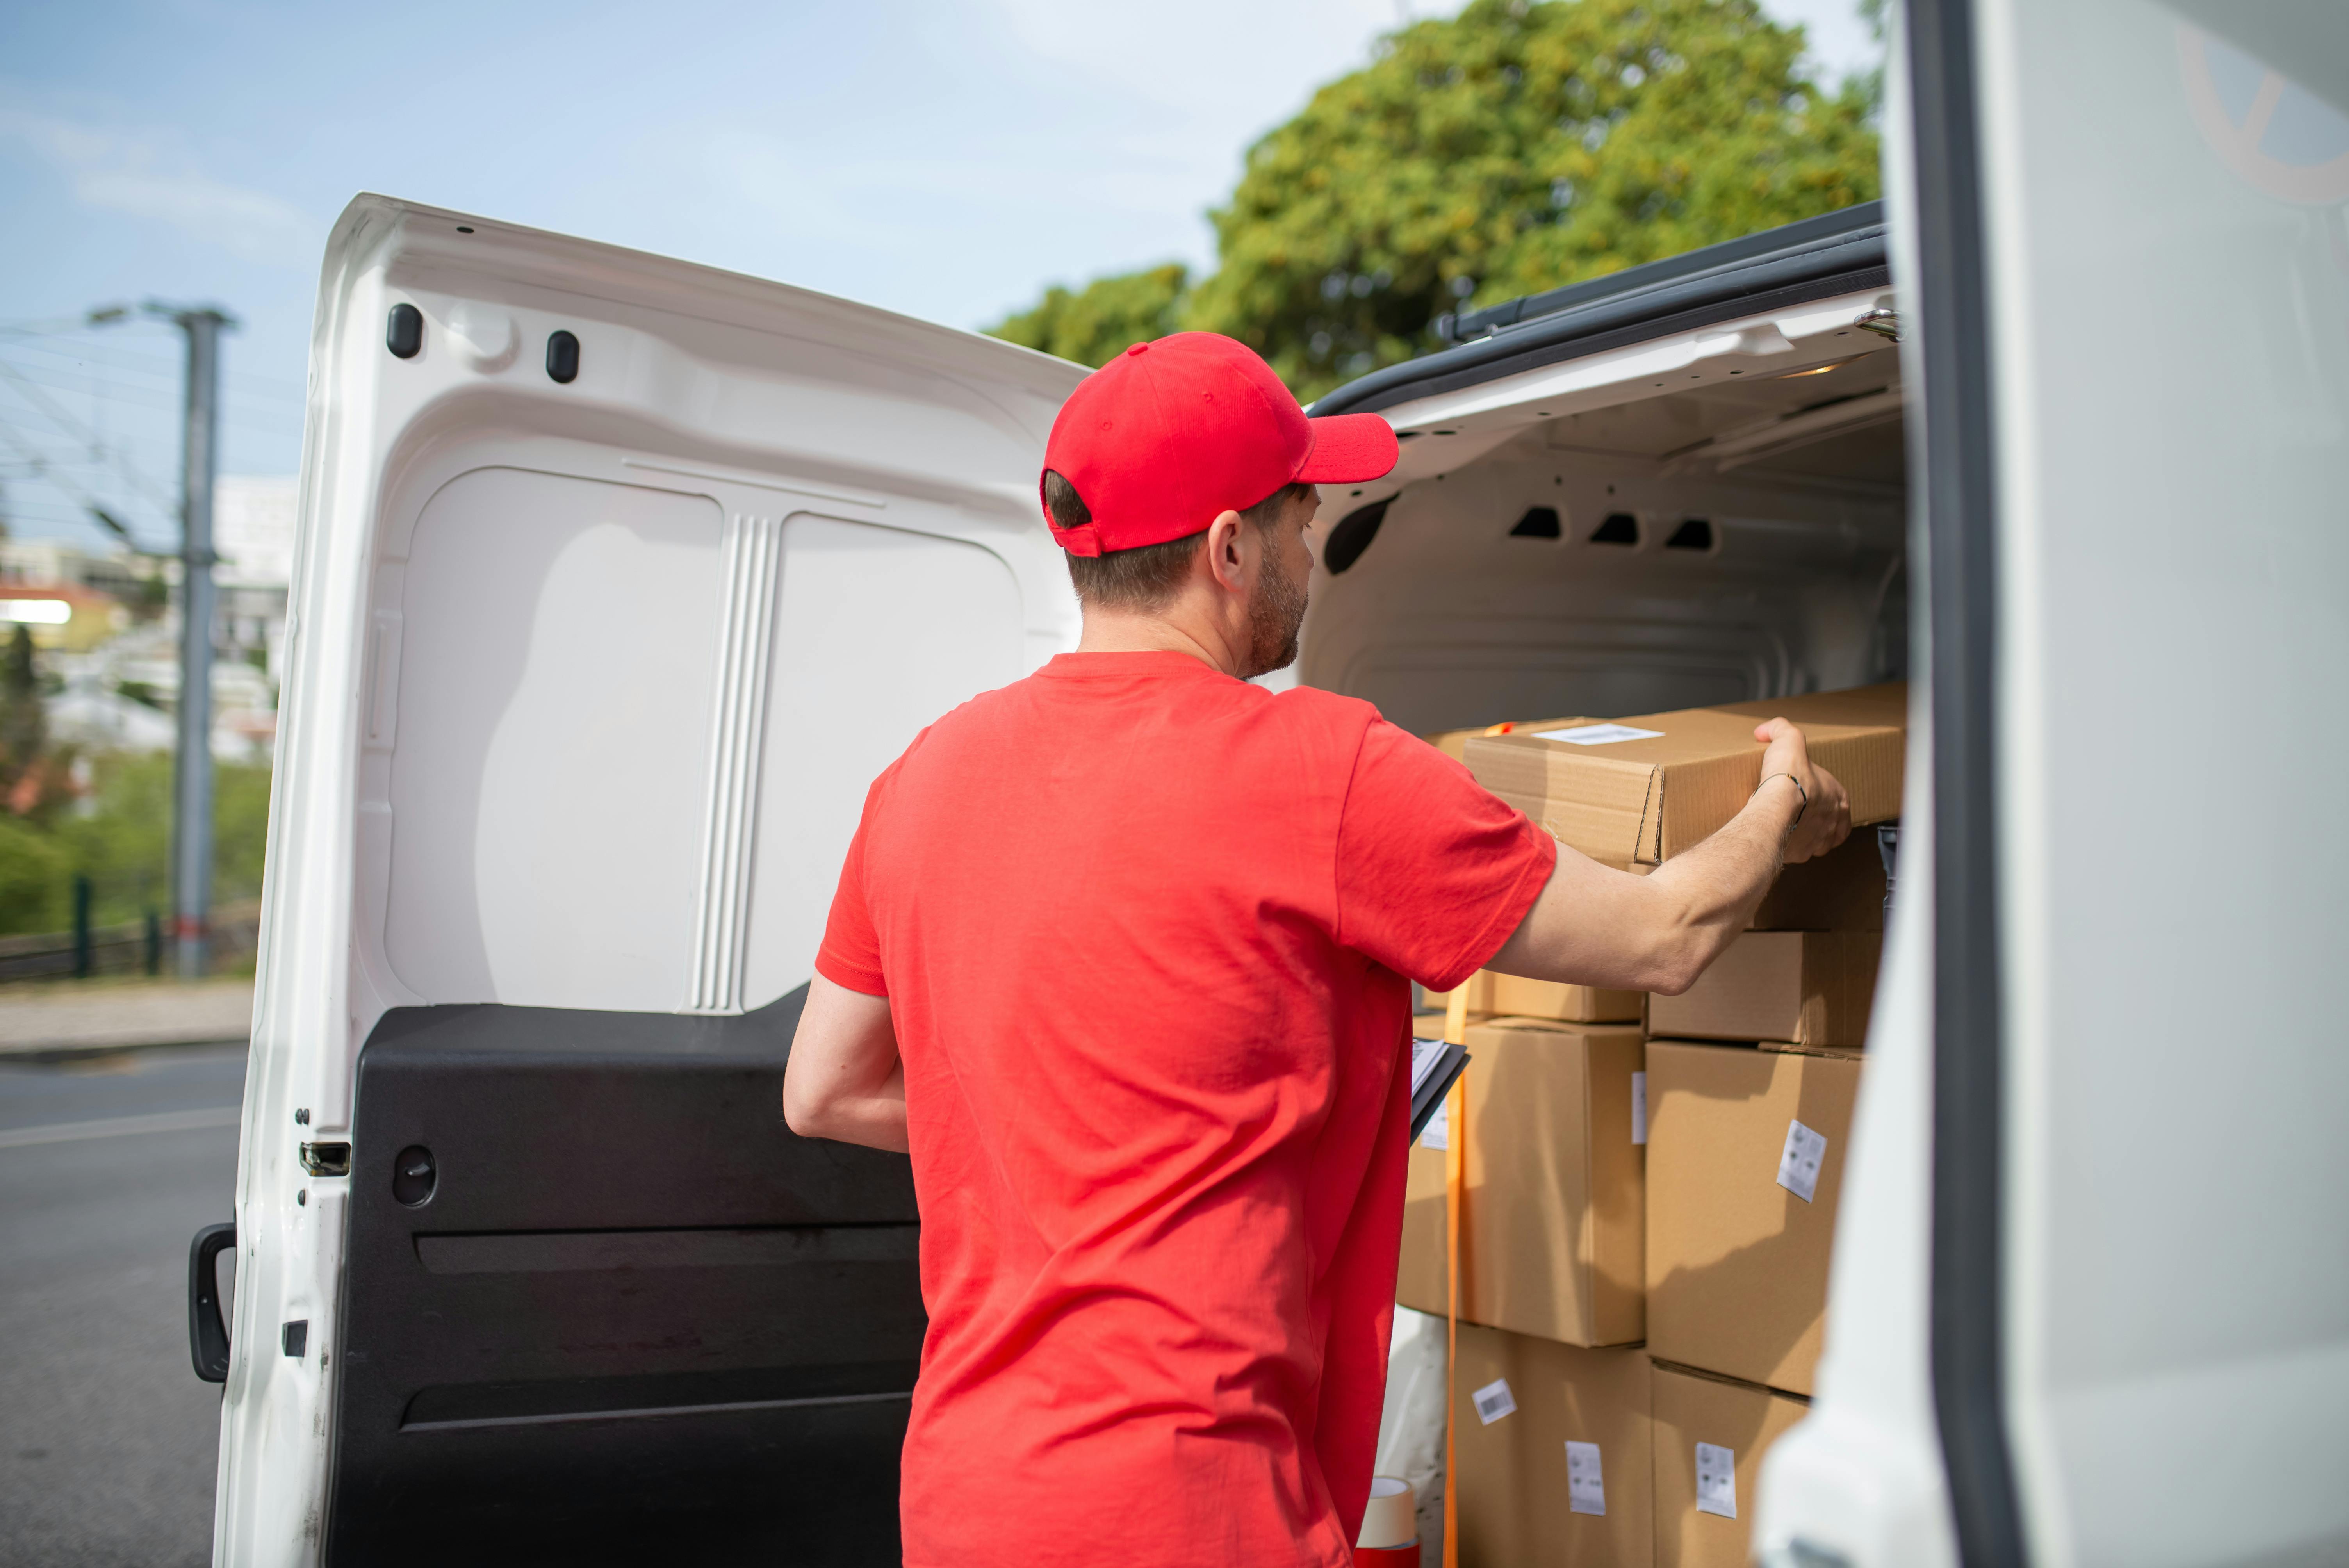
{"x":1436,"y":1066}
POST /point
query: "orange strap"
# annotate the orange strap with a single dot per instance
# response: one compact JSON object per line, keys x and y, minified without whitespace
{"x":1456,"y":1168}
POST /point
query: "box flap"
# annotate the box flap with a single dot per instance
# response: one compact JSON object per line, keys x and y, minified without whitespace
{"x":1874,"y":707}
{"x":1599,"y":802}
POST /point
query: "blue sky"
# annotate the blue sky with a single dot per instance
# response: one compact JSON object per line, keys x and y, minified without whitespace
{"x":945,"y":159}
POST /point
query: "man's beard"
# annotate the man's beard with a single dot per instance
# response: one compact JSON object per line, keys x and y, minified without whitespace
{"x":1276,"y":616}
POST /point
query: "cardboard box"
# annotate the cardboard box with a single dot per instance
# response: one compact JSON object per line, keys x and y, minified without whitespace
{"x":1801,"y":987}
{"x":1737,"y":1262}
{"x":1842,"y":890}
{"x":1491,"y":994}
{"x":1555,"y":1192}
{"x":1420,"y":1273}
{"x":1689,"y":1408}
{"x":1525,"y":1499}
{"x":1452,"y":742}
{"x":1640,"y":802}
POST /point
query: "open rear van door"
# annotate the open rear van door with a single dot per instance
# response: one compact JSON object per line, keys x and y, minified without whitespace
{"x":618,"y":580}
{"x":2120,"y":1095}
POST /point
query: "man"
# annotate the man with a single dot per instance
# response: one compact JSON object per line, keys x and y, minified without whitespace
{"x":1122,"y":953}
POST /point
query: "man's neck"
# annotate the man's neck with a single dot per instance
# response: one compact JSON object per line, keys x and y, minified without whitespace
{"x":1115,"y":631}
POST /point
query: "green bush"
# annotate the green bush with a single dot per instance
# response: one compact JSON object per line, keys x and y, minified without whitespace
{"x":35,"y":880}
{"x":122,"y":842}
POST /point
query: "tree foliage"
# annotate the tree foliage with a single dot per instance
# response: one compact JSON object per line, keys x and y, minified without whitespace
{"x":1095,"y":324}
{"x":36,"y":878}
{"x":120,"y":839}
{"x":24,"y":724}
{"x":1511,"y":148}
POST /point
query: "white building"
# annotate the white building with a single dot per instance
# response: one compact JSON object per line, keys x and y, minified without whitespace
{"x":253,"y":534}
{"x":118,"y":695}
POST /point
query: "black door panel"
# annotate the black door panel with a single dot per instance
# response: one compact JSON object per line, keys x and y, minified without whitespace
{"x":601,"y":1305}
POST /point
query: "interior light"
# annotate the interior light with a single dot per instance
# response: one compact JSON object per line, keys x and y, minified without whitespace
{"x":1814,"y":370}
{"x":36,"y":611}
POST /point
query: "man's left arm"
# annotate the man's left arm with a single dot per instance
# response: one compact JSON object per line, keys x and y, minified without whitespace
{"x":1432,"y":871}
{"x":844,"y":1080}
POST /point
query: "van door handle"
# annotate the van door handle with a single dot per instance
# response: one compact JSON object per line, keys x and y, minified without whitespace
{"x":207,"y":1336}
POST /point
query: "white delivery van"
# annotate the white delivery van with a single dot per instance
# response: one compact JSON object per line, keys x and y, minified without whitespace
{"x":619,"y":578}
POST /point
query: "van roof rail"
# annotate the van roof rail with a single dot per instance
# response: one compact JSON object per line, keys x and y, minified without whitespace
{"x":1836,"y":252}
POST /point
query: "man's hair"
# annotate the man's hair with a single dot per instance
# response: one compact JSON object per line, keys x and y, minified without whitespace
{"x":1145,"y":578}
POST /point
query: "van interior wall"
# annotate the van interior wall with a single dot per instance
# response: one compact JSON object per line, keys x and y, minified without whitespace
{"x":1594,"y":566}
{"x":533,"y":600}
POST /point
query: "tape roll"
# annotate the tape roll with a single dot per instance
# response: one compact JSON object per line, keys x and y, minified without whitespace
{"x":1392,"y":1520}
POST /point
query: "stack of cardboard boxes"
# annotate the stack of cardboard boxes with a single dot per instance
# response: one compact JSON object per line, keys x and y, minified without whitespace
{"x":1650,"y":1182}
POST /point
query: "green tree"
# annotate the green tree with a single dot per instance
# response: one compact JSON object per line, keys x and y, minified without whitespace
{"x":24,"y":726}
{"x":1093,"y":325}
{"x":123,"y":841}
{"x":1511,"y":148}
{"x":35,"y":878}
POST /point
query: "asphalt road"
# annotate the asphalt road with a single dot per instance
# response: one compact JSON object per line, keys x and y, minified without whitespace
{"x":107,"y":1439}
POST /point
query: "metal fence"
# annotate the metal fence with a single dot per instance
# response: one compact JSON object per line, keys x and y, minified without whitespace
{"x":136,"y":948}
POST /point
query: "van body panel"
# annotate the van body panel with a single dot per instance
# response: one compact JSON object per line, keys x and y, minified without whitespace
{"x":2167,"y":1301}
{"x":2171,"y":562}
{"x":1861,"y":1480}
{"x":592,"y":656}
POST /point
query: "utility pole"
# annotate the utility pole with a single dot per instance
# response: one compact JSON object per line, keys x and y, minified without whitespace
{"x":192,"y":791}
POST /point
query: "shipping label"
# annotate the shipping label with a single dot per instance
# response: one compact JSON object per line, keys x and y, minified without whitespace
{"x":1586,"y":1488}
{"x":1716,"y":1480}
{"x":1798,"y":1167}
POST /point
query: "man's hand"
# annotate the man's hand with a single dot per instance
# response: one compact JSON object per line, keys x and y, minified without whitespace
{"x":1826,"y":819}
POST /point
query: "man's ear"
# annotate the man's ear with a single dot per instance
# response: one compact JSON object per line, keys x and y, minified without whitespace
{"x":1225,"y":561}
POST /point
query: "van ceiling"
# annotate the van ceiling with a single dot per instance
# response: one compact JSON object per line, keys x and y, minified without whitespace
{"x":1840,"y":420}
{"x":1738,"y":540}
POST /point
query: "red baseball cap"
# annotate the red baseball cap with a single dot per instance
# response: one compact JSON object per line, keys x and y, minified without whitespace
{"x":1170,"y":434}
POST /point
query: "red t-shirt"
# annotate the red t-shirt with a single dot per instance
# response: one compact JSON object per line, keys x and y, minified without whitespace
{"x":1145,"y":930}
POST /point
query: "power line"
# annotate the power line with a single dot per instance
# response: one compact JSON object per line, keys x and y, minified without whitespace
{"x":73,"y":427}
{"x":150,"y":398}
{"x":54,"y":326}
{"x":104,"y":517}
{"x":256,"y":384}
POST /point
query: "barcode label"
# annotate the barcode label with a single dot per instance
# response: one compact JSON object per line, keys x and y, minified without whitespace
{"x":1798,"y":1167}
{"x":1585,"y":1486}
{"x":1716,"y":1480}
{"x":1493,"y":1401}
{"x":1639,"y":1108}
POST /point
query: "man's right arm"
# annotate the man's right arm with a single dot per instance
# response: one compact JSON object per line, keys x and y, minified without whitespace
{"x":844,"y":1080}
{"x":1593,"y":925}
